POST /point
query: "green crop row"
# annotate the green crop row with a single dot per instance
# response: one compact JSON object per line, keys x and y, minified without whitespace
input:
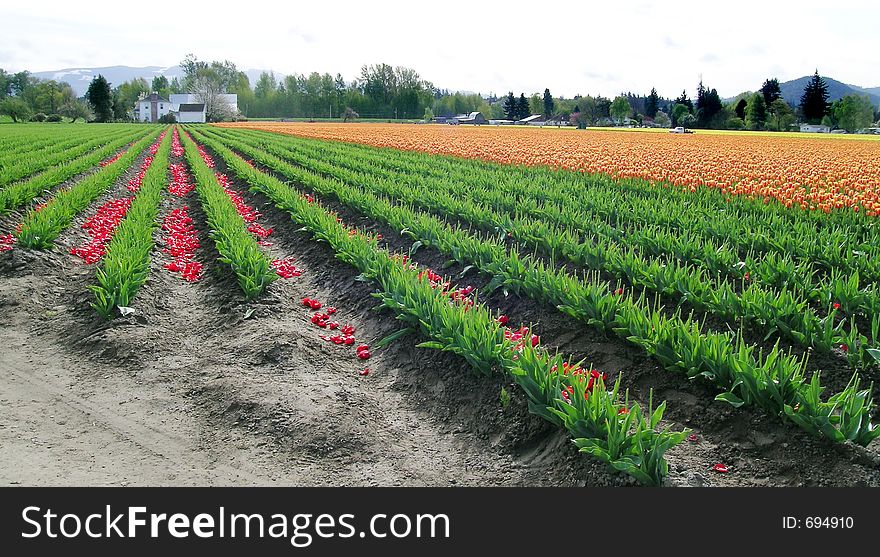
{"x":775,"y":381}
{"x":613,"y":430}
{"x":126,"y":263}
{"x":845,"y":240}
{"x":22,"y":193}
{"x":771,"y":311}
{"x":773,"y":271}
{"x":237,"y":247}
{"x":29,"y":163}
{"x":41,"y":227}
{"x":11,"y":150}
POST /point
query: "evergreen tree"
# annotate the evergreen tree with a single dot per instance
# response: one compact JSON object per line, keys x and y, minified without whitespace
{"x":523,"y":110}
{"x":100,"y":99}
{"x":740,"y":109}
{"x":814,"y":101}
{"x":708,"y":105}
{"x":683,"y":99}
{"x":549,"y":104}
{"x":771,"y":91}
{"x":652,"y":104}
{"x":756,"y":112}
{"x":510,"y":107}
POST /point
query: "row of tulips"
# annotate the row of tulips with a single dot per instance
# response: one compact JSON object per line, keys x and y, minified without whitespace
{"x":603,"y":424}
{"x":515,"y":203}
{"x":770,"y":310}
{"x":27,"y":164}
{"x":237,"y":247}
{"x":40,"y":228}
{"x":829,"y":241}
{"x":24,"y":192}
{"x":718,"y":254}
{"x":775,"y":381}
{"x":34,"y":144}
{"x":126,"y":264}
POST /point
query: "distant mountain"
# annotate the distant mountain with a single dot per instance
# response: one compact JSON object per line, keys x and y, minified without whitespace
{"x":792,"y":90}
{"x":79,"y":78}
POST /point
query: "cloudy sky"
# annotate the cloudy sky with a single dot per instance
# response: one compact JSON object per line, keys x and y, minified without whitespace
{"x":571,"y":47}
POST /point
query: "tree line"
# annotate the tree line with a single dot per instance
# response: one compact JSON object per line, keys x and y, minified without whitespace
{"x":386,"y":92}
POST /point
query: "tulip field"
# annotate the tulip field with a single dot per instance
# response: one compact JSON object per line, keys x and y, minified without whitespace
{"x":647,"y":296}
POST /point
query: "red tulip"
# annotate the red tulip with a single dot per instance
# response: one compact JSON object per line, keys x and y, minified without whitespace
{"x":836,"y":305}
{"x":623,"y":411}
{"x":535,"y":340}
{"x":747,"y":277}
{"x":844,"y":347}
{"x":362,"y":347}
{"x":503,"y":319}
{"x":619,"y":291}
{"x":365,"y":372}
{"x":315,"y":304}
{"x":348,"y":340}
{"x":333,"y":325}
{"x":693,"y":438}
{"x":365,"y":355}
{"x":331,"y":310}
{"x":347,"y":330}
{"x":720,"y":468}
{"x":307,"y":302}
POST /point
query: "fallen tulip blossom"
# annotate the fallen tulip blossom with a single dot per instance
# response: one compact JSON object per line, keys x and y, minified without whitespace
{"x":692,"y":438}
{"x":720,"y":468}
{"x":362,"y":347}
{"x":348,"y":340}
{"x":181,"y":243}
{"x":364,"y":372}
{"x":347,"y":330}
{"x":285,"y":269}
{"x":844,"y":347}
{"x":331,"y":310}
{"x":333,"y":325}
{"x":364,"y":355}
{"x":307,"y":302}
{"x":314,"y":304}
{"x":101,"y":226}
{"x":259,"y":231}
{"x":7,"y":242}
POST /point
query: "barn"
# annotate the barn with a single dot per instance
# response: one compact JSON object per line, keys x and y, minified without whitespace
{"x":193,"y":113}
{"x":472,"y":118}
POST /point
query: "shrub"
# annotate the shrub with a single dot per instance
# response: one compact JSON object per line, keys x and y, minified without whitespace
{"x":53,"y":118}
{"x":38,"y":117}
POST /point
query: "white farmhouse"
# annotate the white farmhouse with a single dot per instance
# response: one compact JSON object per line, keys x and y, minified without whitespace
{"x":150,"y":109}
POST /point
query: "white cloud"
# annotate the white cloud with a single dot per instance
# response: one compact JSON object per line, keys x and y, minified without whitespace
{"x":570,"y":47}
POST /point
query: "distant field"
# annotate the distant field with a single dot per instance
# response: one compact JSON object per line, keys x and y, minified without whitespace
{"x":812,"y":171}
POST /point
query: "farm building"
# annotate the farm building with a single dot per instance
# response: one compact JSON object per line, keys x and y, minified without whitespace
{"x":230,"y":100}
{"x":533,"y":120}
{"x":191,"y":113}
{"x":814,"y":128}
{"x":472,"y":118}
{"x":151,"y":108}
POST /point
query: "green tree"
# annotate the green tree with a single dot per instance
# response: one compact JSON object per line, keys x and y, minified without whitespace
{"x":854,"y":112}
{"x":756,"y":112}
{"x":679,"y":111}
{"x":652,"y":103}
{"x":771,"y":91}
{"x":510,"y":108}
{"x":814,"y":101}
{"x":620,"y":109}
{"x":75,"y":109}
{"x":429,"y":115}
{"x":740,"y":109}
{"x":683,"y":99}
{"x":523,"y":110}
{"x":781,"y":115}
{"x":100,"y":99}
{"x":662,"y":119}
{"x":549,"y":104}
{"x":160,"y":83}
{"x":708,"y":106}
{"x":15,"y":108}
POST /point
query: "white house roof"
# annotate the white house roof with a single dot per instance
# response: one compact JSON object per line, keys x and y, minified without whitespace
{"x":531,"y":118}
